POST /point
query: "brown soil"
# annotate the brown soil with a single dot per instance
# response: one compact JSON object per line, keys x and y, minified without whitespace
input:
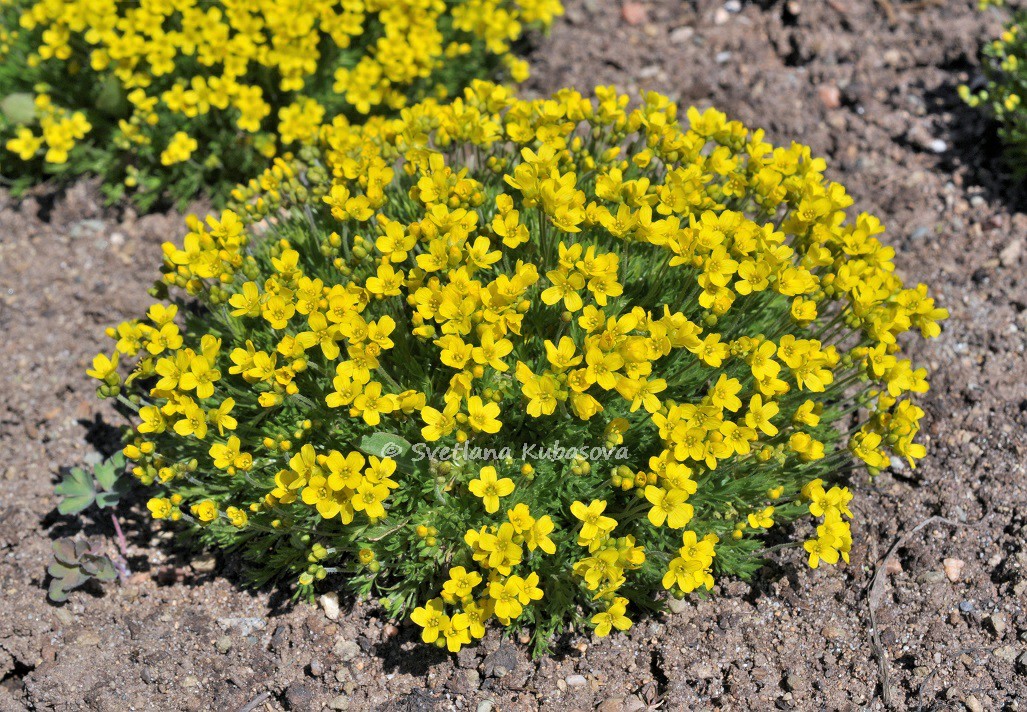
{"x":870,"y":84}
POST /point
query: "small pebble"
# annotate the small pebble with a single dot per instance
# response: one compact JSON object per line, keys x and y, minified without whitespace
{"x":346,"y":649}
{"x":997,"y":624}
{"x":682,"y":34}
{"x":722,"y":57}
{"x":330,"y":603}
{"x":485,"y":706}
{"x":316,"y":668}
{"x":204,"y":563}
{"x":938,"y":146}
{"x":576,"y":681}
{"x":973,"y":704}
{"x":832,"y":632}
{"x":634,"y":13}
{"x":224,"y":644}
{"x":829,"y":96}
{"x":953,"y":569}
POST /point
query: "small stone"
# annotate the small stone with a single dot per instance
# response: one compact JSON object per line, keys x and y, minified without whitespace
{"x":224,"y":644}
{"x":832,"y":632}
{"x":190,"y":681}
{"x":938,"y":146}
{"x":721,"y":16}
{"x":87,"y":638}
{"x":930,"y":577}
{"x":1011,"y":253}
{"x":500,"y":663}
{"x":973,"y":704}
{"x":966,"y":607}
{"x":346,"y":649}
{"x":64,"y":616}
{"x":316,"y":668}
{"x":997,"y":624}
{"x":893,"y":566}
{"x":243,"y":626}
{"x":330,"y":603}
{"x":733,"y":6}
{"x":611,"y":704}
{"x":465,"y":681}
{"x":299,"y":696}
{"x":204,"y":563}
{"x":680,"y":35}
{"x":953,"y":569}
{"x":485,"y":706}
{"x":829,"y":96}
{"x":339,"y":703}
{"x":634,"y":13}
{"x":561,"y":684}
{"x":702,"y":671}
{"x":576,"y":681}
{"x":722,"y":57}
{"x":678,"y":606}
{"x":1006,"y":653}
{"x":389,"y":631}
{"x":892,"y":57}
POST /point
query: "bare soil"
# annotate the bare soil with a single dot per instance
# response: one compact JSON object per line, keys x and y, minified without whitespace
{"x":869,"y":84}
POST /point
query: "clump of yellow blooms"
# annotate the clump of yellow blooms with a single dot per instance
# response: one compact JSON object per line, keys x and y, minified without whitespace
{"x":524,"y":363}
{"x":180,"y":95}
{"x":1004,"y":63}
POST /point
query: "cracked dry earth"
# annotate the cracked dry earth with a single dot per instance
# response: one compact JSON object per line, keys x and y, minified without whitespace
{"x":868,"y":84}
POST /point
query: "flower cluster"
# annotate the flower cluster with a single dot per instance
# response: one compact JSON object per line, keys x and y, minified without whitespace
{"x":1005,"y":90}
{"x":180,"y":95}
{"x":503,"y":273}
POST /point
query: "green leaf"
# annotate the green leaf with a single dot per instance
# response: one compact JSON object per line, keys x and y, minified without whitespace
{"x":66,"y":552}
{"x":105,"y":570}
{"x":105,"y":500}
{"x":76,"y":492}
{"x":385,"y":445}
{"x":56,"y":592}
{"x":73,"y":580}
{"x":110,"y":472}
{"x":99,"y":567}
{"x":111,"y":98}
{"x":74,"y":504}
{"x":19,"y":108}
{"x":58,"y":570}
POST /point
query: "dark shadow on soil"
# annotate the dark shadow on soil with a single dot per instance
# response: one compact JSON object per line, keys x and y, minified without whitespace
{"x":973,"y":141}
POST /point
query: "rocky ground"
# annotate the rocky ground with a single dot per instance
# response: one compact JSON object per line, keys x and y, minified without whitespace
{"x":869,"y":84}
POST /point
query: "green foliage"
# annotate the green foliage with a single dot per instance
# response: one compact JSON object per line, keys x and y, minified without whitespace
{"x":166,"y":100}
{"x":104,"y":486}
{"x":1005,"y":91}
{"x":527,"y":361}
{"x":73,"y":565}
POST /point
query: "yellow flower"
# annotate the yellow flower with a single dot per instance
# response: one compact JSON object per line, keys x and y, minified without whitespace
{"x":488,"y":488}
{"x":179,"y":149}
{"x":482,"y":416}
{"x":205,"y":511}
